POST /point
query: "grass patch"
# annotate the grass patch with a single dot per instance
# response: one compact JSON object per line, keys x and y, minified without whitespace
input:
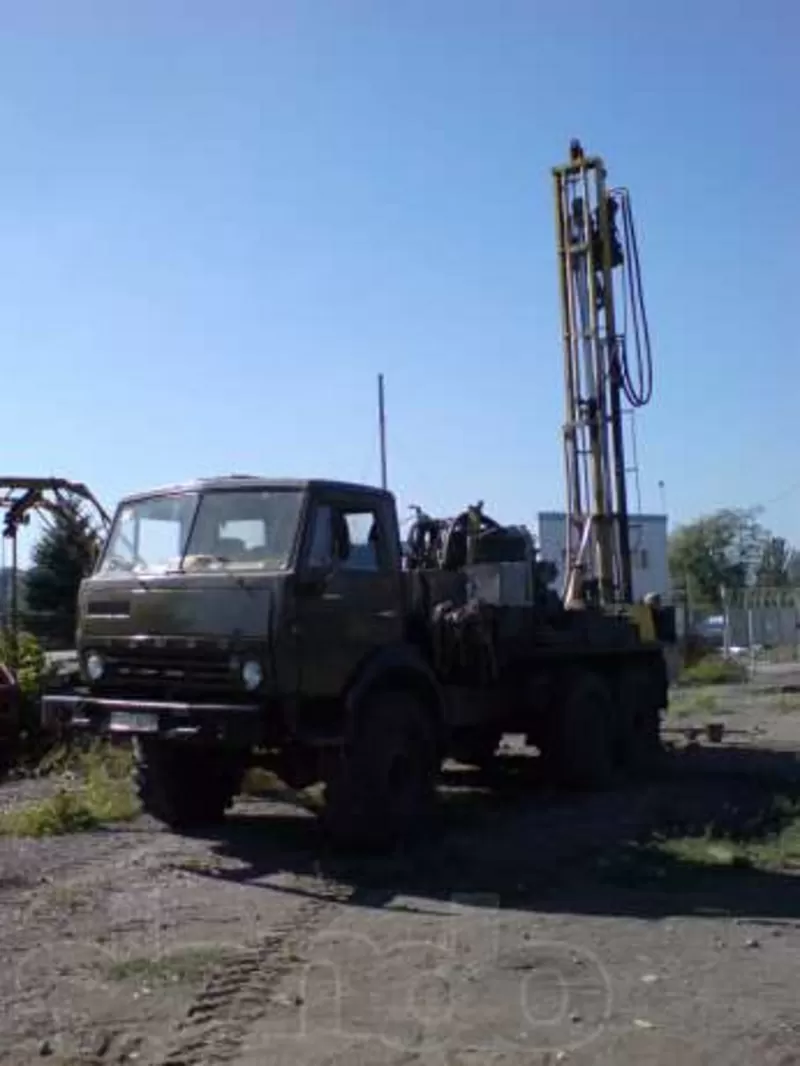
{"x":789,"y":702}
{"x":99,"y":791}
{"x":690,"y":704}
{"x":760,"y":837}
{"x":68,"y":897}
{"x":198,"y":864}
{"x":85,"y":756}
{"x":66,"y":812}
{"x":714,"y":670}
{"x":777,"y":851}
{"x":187,"y":966}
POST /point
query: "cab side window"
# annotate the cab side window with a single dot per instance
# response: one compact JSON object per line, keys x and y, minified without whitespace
{"x":346,"y":538}
{"x":362,"y":535}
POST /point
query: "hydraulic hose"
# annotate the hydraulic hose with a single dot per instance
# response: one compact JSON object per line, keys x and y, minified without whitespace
{"x":638,"y":386}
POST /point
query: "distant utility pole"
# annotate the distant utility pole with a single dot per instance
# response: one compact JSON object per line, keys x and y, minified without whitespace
{"x":382,"y":430}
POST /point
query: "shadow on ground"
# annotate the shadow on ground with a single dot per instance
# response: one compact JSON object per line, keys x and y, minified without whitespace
{"x":517,"y":845}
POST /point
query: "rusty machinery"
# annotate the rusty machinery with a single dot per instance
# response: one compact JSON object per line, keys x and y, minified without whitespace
{"x":52,"y":499}
{"x":600,"y":288}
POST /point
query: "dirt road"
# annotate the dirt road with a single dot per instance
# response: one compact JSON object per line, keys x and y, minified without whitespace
{"x":537,"y":929}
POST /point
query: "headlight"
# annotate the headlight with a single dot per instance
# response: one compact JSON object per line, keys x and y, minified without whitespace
{"x":95,"y":666}
{"x":252,"y":675}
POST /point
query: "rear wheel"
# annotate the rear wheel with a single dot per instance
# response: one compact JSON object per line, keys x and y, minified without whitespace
{"x":182,"y":785}
{"x":578,"y":748}
{"x":476,"y":747}
{"x":381,"y":790}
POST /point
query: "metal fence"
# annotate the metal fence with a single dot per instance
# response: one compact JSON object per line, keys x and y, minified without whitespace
{"x":763,"y":622}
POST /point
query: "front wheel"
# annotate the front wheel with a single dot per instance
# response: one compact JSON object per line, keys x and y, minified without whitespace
{"x":381,"y":790}
{"x":183,"y":785}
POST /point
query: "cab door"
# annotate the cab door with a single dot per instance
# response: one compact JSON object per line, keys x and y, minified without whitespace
{"x":349,"y":599}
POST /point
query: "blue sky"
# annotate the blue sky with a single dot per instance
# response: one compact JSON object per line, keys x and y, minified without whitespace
{"x":219,"y":222}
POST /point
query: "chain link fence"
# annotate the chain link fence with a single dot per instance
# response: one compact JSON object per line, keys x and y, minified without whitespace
{"x":759,"y":626}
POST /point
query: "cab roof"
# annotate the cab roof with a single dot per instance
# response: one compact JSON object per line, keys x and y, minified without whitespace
{"x":232,"y":482}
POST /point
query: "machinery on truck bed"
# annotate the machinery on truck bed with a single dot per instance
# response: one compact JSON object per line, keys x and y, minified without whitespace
{"x":243,"y":620}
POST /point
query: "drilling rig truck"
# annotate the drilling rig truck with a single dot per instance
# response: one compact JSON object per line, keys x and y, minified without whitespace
{"x":247,"y":620}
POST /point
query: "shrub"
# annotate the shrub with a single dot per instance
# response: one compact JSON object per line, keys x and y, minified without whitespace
{"x":103,"y":792}
{"x":65,"y":812}
{"x":31,"y":666}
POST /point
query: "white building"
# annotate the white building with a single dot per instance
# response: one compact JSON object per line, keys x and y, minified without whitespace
{"x":648,"y":538}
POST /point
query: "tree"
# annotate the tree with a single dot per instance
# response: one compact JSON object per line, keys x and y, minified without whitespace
{"x":720,"y":550}
{"x":775,"y":565}
{"x":62,"y":557}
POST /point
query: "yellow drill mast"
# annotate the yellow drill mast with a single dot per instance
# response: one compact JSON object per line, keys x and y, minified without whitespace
{"x":596,"y":374}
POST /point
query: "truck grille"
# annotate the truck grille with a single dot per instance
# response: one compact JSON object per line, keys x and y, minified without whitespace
{"x":165,"y":673}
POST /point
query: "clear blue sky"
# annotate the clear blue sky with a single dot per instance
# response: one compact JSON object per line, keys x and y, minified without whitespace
{"x":218,"y":222}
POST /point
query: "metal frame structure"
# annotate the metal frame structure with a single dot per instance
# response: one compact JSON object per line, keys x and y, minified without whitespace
{"x":49,"y":498}
{"x":597,"y":375}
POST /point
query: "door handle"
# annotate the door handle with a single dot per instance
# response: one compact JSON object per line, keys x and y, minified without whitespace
{"x":331,"y":595}
{"x":389,"y":613}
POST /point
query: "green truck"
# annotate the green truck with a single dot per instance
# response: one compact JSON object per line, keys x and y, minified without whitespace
{"x":242,"y":621}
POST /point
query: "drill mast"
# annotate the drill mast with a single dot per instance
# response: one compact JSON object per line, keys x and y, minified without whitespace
{"x":597,"y":376}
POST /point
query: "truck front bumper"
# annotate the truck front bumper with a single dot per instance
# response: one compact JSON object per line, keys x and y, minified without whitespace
{"x":234,"y":722}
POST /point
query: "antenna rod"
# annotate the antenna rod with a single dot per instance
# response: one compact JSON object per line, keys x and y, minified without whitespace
{"x":382,"y":430}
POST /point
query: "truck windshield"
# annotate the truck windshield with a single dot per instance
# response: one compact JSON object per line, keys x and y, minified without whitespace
{"x":217,"y":530}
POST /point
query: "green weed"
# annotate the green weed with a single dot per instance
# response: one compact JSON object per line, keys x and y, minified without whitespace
{"x":714,"y":670}
{"x":187,"y":966}
{"x":689,"y":704}
{"x":101,"y":792}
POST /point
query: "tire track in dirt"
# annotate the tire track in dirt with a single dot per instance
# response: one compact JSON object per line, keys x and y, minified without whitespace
{"x":508,"y":849}
{"x":238,"y":990}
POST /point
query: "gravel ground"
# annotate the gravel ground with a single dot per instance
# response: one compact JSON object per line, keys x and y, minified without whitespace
{"x":531,"y":932}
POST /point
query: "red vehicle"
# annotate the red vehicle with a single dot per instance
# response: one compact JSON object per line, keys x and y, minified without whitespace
{"x":9,"y":714}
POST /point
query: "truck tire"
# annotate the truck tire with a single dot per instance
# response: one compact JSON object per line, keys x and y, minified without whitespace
{"x":578,"y":748}
{"x":380,"y":792}
{"x":184,"y":786}
{"x":640,"y":747}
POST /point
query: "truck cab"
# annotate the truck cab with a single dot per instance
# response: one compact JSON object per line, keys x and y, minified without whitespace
{"x":239,"y":615}
{"x":213,"y":603}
